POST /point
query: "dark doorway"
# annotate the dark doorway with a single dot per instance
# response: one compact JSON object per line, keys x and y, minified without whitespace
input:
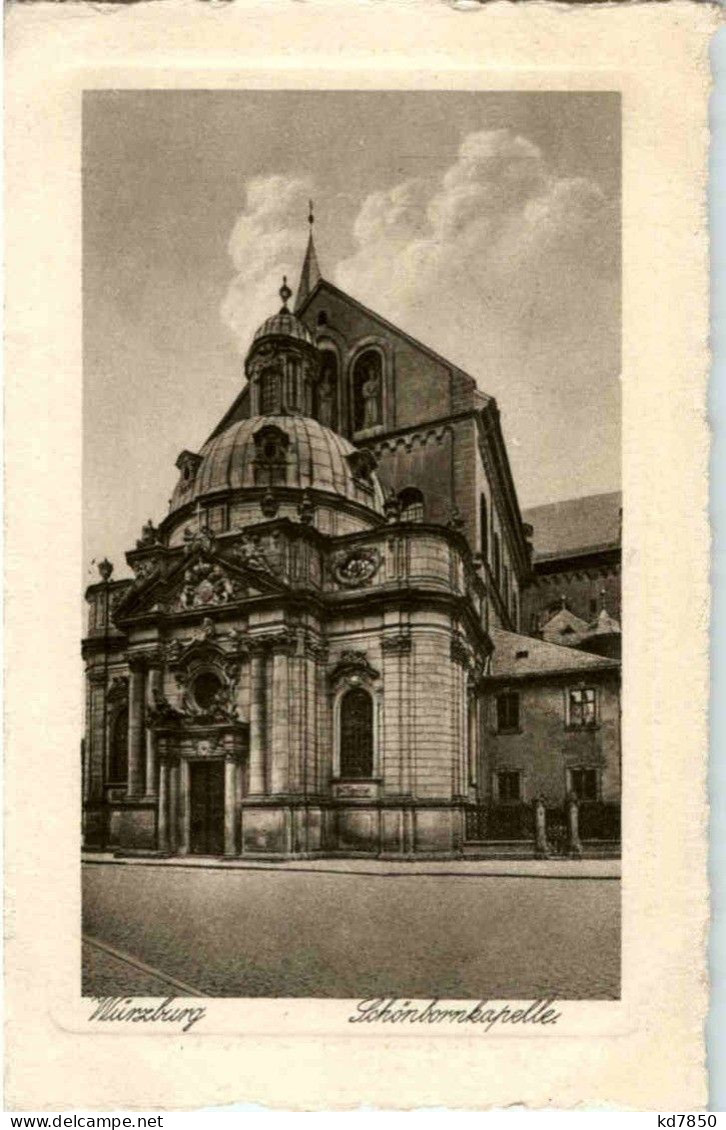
{"x":206,"y":787}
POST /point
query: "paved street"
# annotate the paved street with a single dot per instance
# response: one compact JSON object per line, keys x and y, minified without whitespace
{"x":297,"y":933}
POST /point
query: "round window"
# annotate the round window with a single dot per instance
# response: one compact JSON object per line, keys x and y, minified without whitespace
{"x":206,"y":687}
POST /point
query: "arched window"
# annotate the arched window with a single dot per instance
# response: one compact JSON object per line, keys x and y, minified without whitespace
{"x":270,"y":464}
{"x":268,"y":393}
{"x":325,"y":392}
{"x":515,"y":611}
{"x":367,"y":391}
{"x":497,"y":561}
{"x":118,"y":761}
{"x":356,"y":733}
{"x":483,"y":528}
{"x":412,"y":505}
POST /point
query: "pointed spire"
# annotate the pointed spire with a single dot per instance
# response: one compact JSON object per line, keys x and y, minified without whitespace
{"x":310,"y":274}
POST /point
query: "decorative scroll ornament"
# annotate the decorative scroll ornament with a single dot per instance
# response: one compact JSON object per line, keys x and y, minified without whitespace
{"x":205,"y":584}
{"x":356,"y":567}
{"x":353,"y":666}
{"x":162,"y":712}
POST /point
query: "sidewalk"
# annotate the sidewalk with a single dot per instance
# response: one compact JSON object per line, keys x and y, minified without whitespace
{"x":387,"y":868}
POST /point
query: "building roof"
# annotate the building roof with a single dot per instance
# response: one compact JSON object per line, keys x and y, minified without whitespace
{"x":564,"y":628}
{"x":575,"y":525}
{"x":315,"y":456}
{"x":284,"y":324}
{"x":604,"y":625}
{"x":518,"y":656}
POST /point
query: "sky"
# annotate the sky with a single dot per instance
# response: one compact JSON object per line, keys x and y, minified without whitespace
{"x":485,"y":224}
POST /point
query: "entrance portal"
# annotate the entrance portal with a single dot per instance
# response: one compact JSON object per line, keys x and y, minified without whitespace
{"x":206,"y":787}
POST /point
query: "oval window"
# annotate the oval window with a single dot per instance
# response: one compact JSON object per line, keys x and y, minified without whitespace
{"x":206,"y":687}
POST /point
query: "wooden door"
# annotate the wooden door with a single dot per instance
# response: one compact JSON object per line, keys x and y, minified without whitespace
{"x":206,"y":787}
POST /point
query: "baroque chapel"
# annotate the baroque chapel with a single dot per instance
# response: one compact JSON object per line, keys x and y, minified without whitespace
{"x":321,"y":650}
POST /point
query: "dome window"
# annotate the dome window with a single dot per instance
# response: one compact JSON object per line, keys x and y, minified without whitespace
{"x":188,"y":463}
{"x":322,"y":318}
{"x":270,"y":465}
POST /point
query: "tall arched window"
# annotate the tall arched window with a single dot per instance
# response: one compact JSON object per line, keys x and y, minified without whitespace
{"x":412,"y":505}
{"x":268,"y":393}
{"x":483,"y":528}
{"x":118,"y":759}
{"x":325,"y":392}
{"x":356,"y":733}
{"x":367,"y":391}
{"x":497,"y":561}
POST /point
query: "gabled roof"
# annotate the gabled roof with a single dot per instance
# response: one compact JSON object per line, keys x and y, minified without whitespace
{"x":575,"y":525}
{"x":604,"y":625}
{"x":517,"y":656}
{"x":324,"y":284}
{"x":562,"y":626}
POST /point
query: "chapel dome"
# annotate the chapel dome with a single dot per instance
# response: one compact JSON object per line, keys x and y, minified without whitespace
{"x":284,"y":324}
{"x":313,"y":456}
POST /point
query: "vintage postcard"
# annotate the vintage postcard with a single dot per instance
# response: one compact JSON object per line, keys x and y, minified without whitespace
{"x":358,"y":572}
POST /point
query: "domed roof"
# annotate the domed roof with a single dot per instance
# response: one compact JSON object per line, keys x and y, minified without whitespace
{"x":284,"y":324}
{"x":315,"y":457}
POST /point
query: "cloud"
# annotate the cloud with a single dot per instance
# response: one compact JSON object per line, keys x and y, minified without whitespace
{"x":491,"y":240}
{"x":267,"y":237}
{"x":502,"y":264}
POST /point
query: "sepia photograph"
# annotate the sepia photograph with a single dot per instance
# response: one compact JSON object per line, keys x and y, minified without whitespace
{"x":352,"y":521}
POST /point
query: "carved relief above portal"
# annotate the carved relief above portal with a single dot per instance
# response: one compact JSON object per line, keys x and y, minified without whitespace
{"x":205,"y":584}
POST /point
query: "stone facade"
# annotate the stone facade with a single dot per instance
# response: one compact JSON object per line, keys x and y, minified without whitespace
{"x":305,"y":659}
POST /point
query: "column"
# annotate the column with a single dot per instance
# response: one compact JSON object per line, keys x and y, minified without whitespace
{"x":230,"y":806}
{"x":257,"y":723}
{"x":184,"y":805}
{"x":174,"y":806}
{"x":472,"y":737}
{"x":163,"y":817}
{"x":153,"y":683}
{"x":279,"y":724}
{"x":137,"y":681}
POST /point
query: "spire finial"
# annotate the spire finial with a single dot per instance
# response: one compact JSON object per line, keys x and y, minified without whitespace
{"x":285,"y":294}
{"x":311,"y":214}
